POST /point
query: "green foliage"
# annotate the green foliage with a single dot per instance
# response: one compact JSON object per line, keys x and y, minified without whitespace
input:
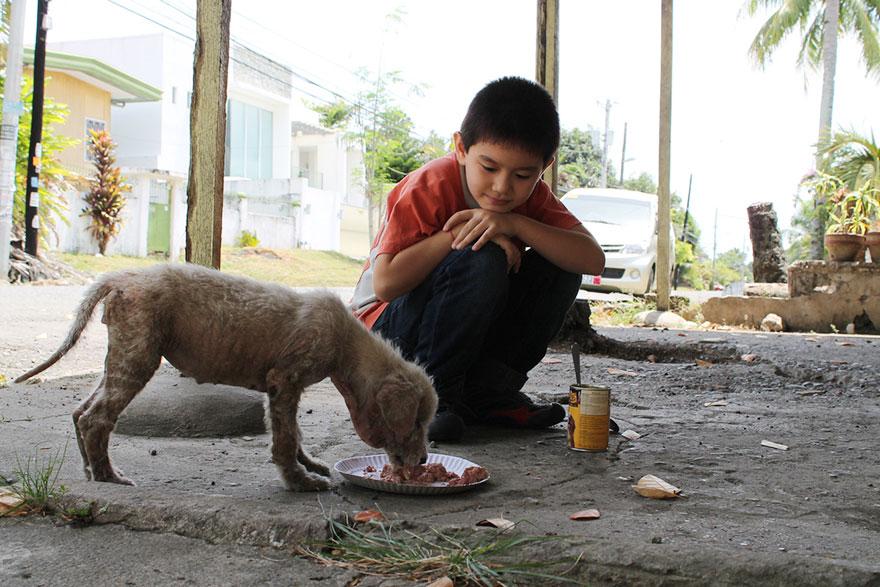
{"x":247,"y":239}
{"x":106,"y":196}
{"x":643,"y":183}
{"x":333,"y":116}
{"x":857,"y":17}
{"x":37,"y":485}
{"x":580,"y":161}
{"x":53,"y":176}
{"x":851,"y":212}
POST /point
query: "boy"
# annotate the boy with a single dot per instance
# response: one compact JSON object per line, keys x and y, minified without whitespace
{"x":448,"y":279}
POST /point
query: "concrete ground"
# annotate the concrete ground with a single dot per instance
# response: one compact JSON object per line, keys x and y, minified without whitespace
{"x":212,"y":510}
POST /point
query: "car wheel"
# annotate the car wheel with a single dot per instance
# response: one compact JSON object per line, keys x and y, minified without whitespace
{"x":650,"y":285}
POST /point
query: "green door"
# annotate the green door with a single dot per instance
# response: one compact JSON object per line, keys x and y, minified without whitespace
{"x":159,"y":224}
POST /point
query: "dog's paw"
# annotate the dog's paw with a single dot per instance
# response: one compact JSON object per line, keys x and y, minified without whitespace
{"x":309,"y":482}
{"x":316,"y":466}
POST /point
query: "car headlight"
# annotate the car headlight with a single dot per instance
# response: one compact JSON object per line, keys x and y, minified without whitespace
{"x":634,"y":250}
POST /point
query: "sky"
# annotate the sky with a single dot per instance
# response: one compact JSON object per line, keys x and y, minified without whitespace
{"x":742,"y":133}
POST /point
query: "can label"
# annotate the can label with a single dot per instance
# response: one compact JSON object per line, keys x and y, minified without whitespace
{"x":589,"y":414}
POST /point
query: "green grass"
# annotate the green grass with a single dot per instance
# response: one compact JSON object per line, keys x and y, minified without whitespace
{"x":297,"y":267}
{"x":468,"y":558}
{"x":37,"y":481}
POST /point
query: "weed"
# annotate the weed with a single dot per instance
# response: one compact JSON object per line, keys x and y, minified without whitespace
{"x":37,"y":485}
{"x":466,"y":558}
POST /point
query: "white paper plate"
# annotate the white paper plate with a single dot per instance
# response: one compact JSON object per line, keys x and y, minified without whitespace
{"x":352,"y":469}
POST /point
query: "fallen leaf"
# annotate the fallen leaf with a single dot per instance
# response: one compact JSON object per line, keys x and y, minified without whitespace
{"x":812,"y":392}
{"x":749,"y":358}
{"x":613,"y":371}
{"x":775,"y":445}
{"x":681,"y":334}
{"x":499,"y":523}
{"x":845,"y":343}
{"x":442,"y":582}
{"x":630,"y":434}
{"x":550,"y":360}
{"x":703,"y":363}
{"x":9,"y":501}
{"x":656,"y":488}
{"x":585,"y":515}
{"x":652,"y":358}
{"x":2,"y":380}
{"x":716,"y":404}
{"x":832,"y":362}
{"x":810,"y":339}
{"x":368,"y":515}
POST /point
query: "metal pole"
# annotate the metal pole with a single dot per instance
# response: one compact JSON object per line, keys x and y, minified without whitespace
{"x":12,"y":108}
{"x":663,"y":220}
{"x":623,"y":154}
{"x":603,"y":177}
{"x":687,"y":209}
{"x":32,"y":188}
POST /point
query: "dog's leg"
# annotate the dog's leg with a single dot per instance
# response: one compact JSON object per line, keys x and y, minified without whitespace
{"x":130,"y":363}
{"x":83,"y":406}
{"x":283,"y":404}
{"x":310,"y":462}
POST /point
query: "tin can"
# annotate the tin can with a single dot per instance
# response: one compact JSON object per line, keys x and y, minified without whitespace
{"x":589,"y":414}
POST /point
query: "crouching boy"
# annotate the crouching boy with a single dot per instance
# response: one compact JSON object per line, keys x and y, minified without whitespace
{"x":477,"y":263}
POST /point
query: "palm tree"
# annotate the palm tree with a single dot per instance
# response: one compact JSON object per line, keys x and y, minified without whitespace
{"x":821,"y":22}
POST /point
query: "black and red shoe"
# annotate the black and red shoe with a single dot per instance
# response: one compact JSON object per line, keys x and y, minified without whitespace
{"x":517,"y":410}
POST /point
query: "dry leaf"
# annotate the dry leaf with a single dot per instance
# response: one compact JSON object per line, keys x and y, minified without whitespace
{"x":681,"y":334}
{"x":845,"y":343}
{"x":9,"y":501}
{"x":656,"y":488}
{"x":716,"y":404}
{"x":703,"y":363}
{"x":368,"y":515}
{"x":613,"y":371}
{"x":442,"y":582}
{"x":499,"y":523}
{"x":550,"y":360}
{"x":652,"y":358}
{"x":749,"y":358}
{"x":810,"y":339}
{"x":630,"y":434}
{"x":775,"y":445}
{"x":585,"y":515}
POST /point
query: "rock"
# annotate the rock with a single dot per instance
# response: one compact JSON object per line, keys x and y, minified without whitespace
{"x":850,"y":328}
{"x":662,"y":319}
{"x":772,"y":323}
{"x":767,"y":290}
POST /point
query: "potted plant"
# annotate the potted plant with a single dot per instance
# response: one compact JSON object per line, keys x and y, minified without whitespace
{"x":855,"y":160}
{"x":850,"y":218}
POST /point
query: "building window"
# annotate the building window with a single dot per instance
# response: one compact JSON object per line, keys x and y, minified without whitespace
{"x":248,"y":141}
{"x":92,"y":124}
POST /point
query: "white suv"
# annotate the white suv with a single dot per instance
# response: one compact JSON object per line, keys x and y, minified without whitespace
{"x":625,"y":224}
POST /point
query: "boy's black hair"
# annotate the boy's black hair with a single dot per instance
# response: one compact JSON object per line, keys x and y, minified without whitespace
{"x":513,"y":111}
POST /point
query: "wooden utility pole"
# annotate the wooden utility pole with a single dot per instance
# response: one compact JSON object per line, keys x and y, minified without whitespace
{"x":547,"y":65}
{"x":664,"y":218}
{"x":204,"y":213}
{"x":32,"y":187}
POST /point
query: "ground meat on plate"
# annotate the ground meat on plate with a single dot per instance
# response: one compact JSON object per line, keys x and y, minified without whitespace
{"x":431,"y":473}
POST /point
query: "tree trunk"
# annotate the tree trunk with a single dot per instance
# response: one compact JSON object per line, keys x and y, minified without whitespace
{"x":204,"y":213}
{"x":768,"y":265}
{"x":829,"y":65}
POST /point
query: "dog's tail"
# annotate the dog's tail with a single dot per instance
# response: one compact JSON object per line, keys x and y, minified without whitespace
{"x":93,"y":296}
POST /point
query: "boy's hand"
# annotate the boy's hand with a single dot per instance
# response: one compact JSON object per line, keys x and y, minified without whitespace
{"x":511,"y":251}
{"x":478,"y":225}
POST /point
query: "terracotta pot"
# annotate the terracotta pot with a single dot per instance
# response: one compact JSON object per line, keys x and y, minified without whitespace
{"x":844,"y":247}
{"x":872,"y":239}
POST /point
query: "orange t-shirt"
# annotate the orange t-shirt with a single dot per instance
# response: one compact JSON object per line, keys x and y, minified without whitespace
{"x":420,"y":205}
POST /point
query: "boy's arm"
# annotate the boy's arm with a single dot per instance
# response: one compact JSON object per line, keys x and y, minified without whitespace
{"x":397,"y":274}
{"x":573,"y":250}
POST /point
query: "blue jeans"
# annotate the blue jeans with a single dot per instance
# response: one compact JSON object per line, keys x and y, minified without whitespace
{"x":477,"y":329}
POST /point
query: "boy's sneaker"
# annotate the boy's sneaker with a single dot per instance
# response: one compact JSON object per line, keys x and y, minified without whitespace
{"x":446,"y":425}
{"x":517,"y":410}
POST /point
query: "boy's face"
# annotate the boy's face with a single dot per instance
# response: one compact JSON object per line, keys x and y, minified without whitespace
{"x":500,"y":177}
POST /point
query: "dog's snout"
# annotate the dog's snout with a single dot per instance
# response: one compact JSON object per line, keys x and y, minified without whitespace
{"x":423,"y":460}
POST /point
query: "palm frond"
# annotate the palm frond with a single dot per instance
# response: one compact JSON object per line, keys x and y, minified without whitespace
{"x":863,"y":21}
{"x":788,"y":15}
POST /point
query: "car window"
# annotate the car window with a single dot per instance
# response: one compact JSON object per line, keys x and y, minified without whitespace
{"x":610,"y":210}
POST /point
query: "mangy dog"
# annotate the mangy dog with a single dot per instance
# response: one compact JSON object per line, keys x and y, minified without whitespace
{"x":224,"y":329}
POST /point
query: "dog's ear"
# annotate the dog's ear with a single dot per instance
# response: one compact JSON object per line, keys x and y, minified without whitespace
{"x":399,"y":406}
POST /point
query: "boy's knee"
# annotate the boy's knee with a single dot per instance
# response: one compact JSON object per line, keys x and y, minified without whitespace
{"x":487,"y":264}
